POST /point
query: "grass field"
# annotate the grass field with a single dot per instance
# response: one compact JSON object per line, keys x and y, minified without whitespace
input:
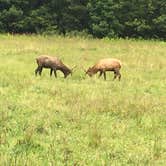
{"x":82,"y":121}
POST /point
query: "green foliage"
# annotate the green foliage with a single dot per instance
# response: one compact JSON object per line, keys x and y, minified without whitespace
{"x":102,"y":18}
{"x":10,"y":18}
{"x":106,"y":18}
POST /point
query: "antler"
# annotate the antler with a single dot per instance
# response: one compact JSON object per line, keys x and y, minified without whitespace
{"x":74,"y":67}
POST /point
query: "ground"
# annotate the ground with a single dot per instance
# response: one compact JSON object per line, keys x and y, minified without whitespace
{"x":82,"y":120}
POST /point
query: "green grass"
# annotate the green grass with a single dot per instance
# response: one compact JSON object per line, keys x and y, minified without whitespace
{"x":81,"y":120}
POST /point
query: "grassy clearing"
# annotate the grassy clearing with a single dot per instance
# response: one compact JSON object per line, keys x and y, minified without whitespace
{"x":81,"y":120}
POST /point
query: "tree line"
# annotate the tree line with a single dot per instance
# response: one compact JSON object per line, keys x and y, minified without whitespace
{"x":99,"y":18}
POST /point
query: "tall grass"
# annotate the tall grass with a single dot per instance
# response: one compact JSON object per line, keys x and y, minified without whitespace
{"x":82,"y":120}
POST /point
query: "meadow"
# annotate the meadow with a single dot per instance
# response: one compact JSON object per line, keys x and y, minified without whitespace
{"x":82,"y":121}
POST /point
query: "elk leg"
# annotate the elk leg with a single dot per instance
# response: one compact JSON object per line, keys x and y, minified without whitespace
{"x":119,"y":75}
{"x":104,"y":75}
{"x":51,"y":70}
{"x":115,"y":75}
{"x":55,"y":73}
{"x":100,"y":73}
{"x":40,"y":71}
{"x":37,"y":70}
{"x":65,"y":75}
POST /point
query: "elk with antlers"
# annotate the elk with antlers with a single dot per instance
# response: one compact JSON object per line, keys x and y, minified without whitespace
{"x":104,"y":65}
{"x":53,"y":63}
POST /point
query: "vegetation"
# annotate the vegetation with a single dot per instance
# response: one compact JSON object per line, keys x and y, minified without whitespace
{"x":82,"y":120}
{"x":111,"y":18}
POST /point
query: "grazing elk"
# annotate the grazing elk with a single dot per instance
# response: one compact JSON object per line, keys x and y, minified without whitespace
{"x":104,"y":65}
{"x":53,"y":63}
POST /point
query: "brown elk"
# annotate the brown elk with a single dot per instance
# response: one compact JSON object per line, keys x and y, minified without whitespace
{"x":53,"y":63}
{"x":104,"y":65}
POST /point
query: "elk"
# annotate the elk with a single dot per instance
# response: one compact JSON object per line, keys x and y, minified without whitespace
{"x":104,"y":65}
{"x":53,"y":63}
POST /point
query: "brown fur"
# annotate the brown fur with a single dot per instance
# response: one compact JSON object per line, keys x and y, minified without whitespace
{"x":53,"y":63}
{"x":104,"y":65}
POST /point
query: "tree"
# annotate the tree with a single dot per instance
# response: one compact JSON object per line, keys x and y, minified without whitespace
{"x":106,"y":18}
